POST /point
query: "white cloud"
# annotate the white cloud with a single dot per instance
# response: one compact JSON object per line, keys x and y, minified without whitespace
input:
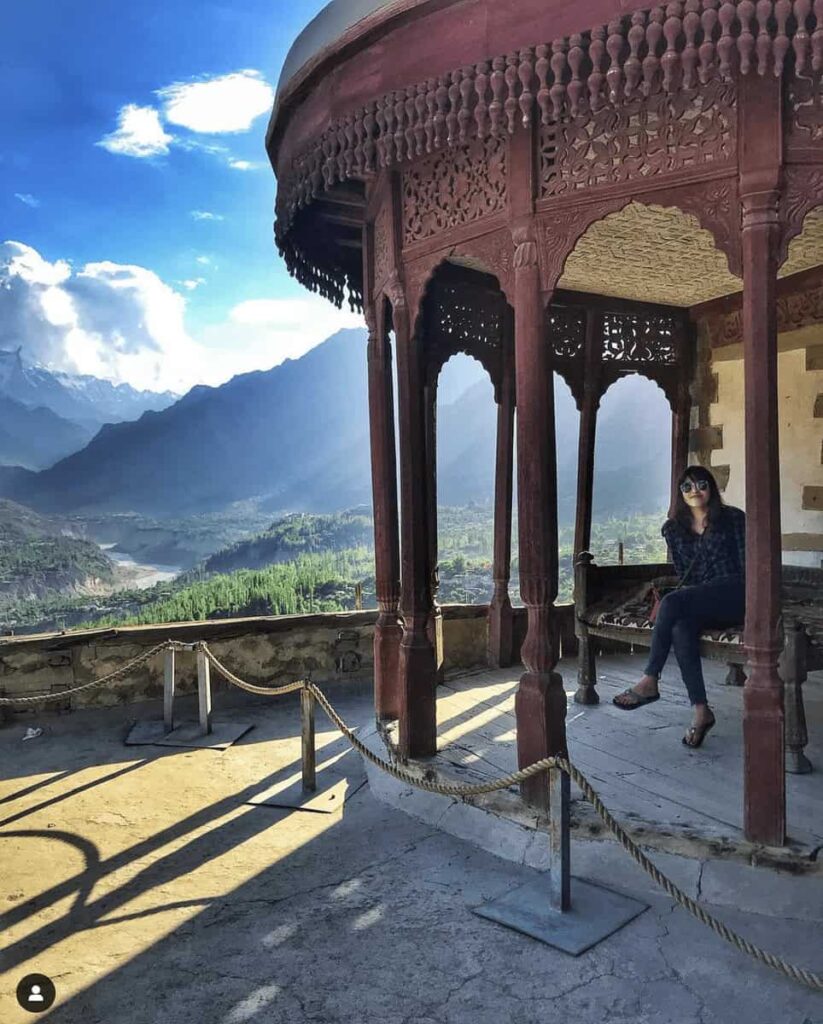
{"x":260,"y":333}
{"x":117,"y":322}
{"x":139,"y":133}
{"x":204,"y":261}
{"x":27,"y":198}
{"x":123,"y":323}
{"x":242,"y":165}
{"x":206,"y":215}
{"x":227,"y":103}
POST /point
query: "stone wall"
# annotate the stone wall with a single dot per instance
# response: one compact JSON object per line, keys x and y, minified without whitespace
{"x":336,"y":649}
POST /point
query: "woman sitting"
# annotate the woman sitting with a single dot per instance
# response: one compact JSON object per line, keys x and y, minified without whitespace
{"x":707,"y":541}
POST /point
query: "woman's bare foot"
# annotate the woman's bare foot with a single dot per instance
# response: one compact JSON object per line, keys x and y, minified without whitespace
{"x":645,"y":689}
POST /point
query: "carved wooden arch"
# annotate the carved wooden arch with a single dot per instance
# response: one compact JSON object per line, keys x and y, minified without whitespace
{"x":668,"y":388}
{"x":713,"y":204}
{"x":802,"y":193}
{"x":443,"y":331}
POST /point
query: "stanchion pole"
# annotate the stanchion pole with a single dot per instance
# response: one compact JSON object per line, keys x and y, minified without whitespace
{"x":560,"y":840}
{"x":309,"y":754}
{"x":168,"y":691}
{"x":204,"y":691}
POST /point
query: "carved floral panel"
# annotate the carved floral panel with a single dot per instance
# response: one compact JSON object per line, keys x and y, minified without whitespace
{"x":454,"y":188}
{"x":628,"y":338}
{"x":641,"y":138}
{"x":382,"y":244}
{"x":567,"y":332}
{"x":804,"y":125}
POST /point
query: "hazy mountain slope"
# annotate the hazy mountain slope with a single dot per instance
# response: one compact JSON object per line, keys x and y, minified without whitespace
{"x":279,"y":434}
{"x":36,"y":438}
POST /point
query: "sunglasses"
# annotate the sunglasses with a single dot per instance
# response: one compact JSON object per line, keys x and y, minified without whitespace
{"x":699,"y":485}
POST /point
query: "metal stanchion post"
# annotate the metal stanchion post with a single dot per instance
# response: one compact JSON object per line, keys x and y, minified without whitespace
{"x":168,"y":692}
{"x":559,"y":839}
{"x":204,"y":691}
{"x":307,"y":703}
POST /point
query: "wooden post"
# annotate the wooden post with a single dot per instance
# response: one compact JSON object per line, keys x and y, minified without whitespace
{"x":540,"y":704}
{"x":500,"y":610}
{"x":307,"y":742}
{"x":560,"y":840}
{"x":387,"y":630}
{"x":168,"y":691}
{"x":418,"y":671}
{"x":588,"y":432}
{"x":760,"y":142}
{"x":204,"y":691}
{"x":435,"y":625}
{"x":681,"y":413}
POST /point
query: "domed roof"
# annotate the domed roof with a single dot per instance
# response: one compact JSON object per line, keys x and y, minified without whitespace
{"x":328,"y":25}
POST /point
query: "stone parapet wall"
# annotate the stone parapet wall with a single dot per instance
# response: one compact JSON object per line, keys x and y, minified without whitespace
{"x":334,"y":648}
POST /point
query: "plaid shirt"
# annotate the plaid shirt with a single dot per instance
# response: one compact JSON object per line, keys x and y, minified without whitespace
{"x":720,"y":551}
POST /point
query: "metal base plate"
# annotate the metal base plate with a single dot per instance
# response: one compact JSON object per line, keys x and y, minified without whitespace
{"x":222,"y":735}
{"x":331,"y":793}
{"x":596,"y":913}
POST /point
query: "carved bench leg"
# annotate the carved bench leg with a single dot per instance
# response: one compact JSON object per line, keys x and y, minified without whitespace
{"x":735,"y":676}
{"x":586,"y":670}
{"x":793,"y":672}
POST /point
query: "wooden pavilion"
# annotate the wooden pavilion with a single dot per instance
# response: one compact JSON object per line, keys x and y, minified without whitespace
{"x":592,"y":189}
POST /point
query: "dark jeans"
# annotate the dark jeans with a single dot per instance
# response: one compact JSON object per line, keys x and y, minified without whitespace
{"x":681,"y":618}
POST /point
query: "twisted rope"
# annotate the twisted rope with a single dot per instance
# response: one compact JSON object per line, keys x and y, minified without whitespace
{"x":262,"y":691}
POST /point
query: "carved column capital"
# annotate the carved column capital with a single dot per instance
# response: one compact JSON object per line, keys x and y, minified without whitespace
{"x":395,"y":292}
{"x":525,"y":247}
{"x":370,"y":316}
{"x":761,"y":207}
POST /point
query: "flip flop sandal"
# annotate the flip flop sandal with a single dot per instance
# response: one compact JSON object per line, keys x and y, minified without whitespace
{"x":697,"y":733}
{"x":637,"y":700}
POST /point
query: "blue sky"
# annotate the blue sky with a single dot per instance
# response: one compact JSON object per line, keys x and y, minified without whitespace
{"x":136,"y":201}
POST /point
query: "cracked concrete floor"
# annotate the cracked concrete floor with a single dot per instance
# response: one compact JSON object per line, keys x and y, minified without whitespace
{"x":143,"y":882}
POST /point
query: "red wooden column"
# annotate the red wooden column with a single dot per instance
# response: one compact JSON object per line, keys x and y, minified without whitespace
{"x":681,"y":413}
{"x":759,"y":141}
{"x":417,"y":675}
{"x":500,"y":609}
{"x":588,"y":432}
{"x":387,"y":630}
{"x":435,"y":626}
{"x":540,"y":704}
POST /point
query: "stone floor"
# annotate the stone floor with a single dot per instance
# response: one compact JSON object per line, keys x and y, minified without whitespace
{"x":148,"y":885}
{"x":635,"y":759}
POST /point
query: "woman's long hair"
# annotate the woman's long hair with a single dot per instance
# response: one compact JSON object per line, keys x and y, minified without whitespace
{"x":715,"y":508}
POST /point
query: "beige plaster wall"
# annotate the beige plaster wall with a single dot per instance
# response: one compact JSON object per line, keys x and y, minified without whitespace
{"x":801,"y":437}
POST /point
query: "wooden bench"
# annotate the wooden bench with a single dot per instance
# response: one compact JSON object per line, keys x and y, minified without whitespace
{"x":608,"y":605}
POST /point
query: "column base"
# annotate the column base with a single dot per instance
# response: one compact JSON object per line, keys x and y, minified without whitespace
{"x":418,"y":702}
{"x":540,"y":709}
{"x":501,"y":634}
{"x":388,"y":632}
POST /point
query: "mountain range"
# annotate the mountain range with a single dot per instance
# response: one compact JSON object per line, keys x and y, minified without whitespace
{"x":47,"y":415}
{"x":296,"y":439}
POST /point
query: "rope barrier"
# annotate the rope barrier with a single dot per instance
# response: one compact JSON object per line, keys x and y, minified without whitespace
{"x":791,"y":971}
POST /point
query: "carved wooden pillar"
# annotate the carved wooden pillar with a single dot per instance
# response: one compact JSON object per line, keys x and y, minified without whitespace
{"x":435,"y":625}
{"x":417,"y":675}
{"x":500,"y":609}
{"x":681,"y":413}
{"x":760,"y":137}
{"x":592,"y":385}
{"x":588,"y":432}
{"x":540,"y":704}
{"x":387,"y":630}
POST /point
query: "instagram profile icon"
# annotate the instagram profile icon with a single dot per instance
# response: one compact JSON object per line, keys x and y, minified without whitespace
{"x":36,"y":993}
